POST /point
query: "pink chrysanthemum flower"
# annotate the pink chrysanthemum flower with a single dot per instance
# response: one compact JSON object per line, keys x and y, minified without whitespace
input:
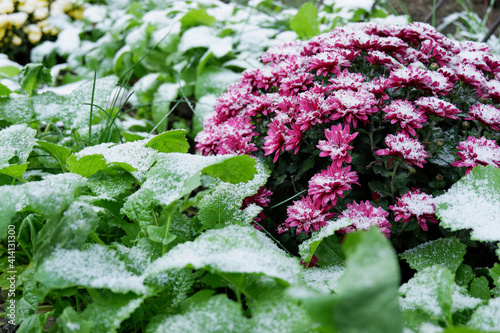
{"x":364,"y":215}
{"x":419,"y":78}
{"x":405,"y":113}
{"x":328,"y":62}
{"x":486,"y":114}
{"x":336,"y":144}
{"x":292,"y":138}
{"x":275,"y":139}
{"x":314,"y":108}
{"x":415,"y":204}
{"x":435,"y":106}
{"x":381,"y":58}
{"x":307,"y":215}
{"x":346,"y":80}
{"x":261,"y":198}
{"x":410,"y":150}
{"x":474,"y":152}
{"x":469,"y":74}
{"x":331,"y":184}
{"x":352,"y":106}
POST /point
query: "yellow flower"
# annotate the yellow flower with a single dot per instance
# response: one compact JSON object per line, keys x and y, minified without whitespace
{"x":6,"y":6}
{"x":16,"y":40}
{"x":34,"y":33}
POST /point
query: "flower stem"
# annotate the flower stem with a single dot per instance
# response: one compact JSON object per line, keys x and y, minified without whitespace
{"x":393,"y":178}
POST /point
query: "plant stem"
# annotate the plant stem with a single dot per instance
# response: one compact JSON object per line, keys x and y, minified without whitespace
{"x":167,"y":229}
{"x":393,"y":178}
{"x":96,"y":238}
{"x":92,"y":108}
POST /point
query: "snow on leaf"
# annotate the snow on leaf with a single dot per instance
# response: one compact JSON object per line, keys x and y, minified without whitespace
{"x":16,"y":110}
{"x":109,"y":310}
{"x":448,"y":252}
{"x":173,"y":176}
{"x":217,"y":314}
{"x":233,"y":249}
{"x":223,"y":204}
{"x":487,"y":317}
{"x":308,"y":247}
{"x":48,"y":197}
{"x":323,"y":279}
{"x":16,"y":144}
{"x":473,"y":203}
{"x":461,"y":299}
{"x":430,"y":290}
{"x":111,"y":188}
{"x":95,"y":267}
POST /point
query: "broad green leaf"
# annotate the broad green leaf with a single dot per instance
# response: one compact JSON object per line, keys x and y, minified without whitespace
{"x":305,"y":23}
{"x":479,"y":287}
{"x":32,"y":295}
{"x":495,"y":274}
{"x":464,"y":275}
{"x":197,"y":17}
{"x":48,"y":197}
{"x":109,"y":310}
{"x":16,"y":144}
{"x":16,"y":110}
{"x":214,"y":80}
{"x":238,"y":169}
{"x":60,"y":153}
{"x":15,"y":170}
{"x":368,"y":290}
{"x":95,"y":267}
{"x":4,"y":91}
{"x":71,"y":322}
{"x":308,"y":247}
{"x":70,"y":231}
{"x":173,"y":141}
{"x":173,"y":176}
{"x":223,"y":203}
{"x":33,"y":75}
{"x":9,"y":71}
{"x":111,"y":188}
{"x":473,"y":203}
{"x":233,"y":249}
{"x":487,"y":317}
{"x":133,"y":157}
{"x":430,"y":290}
{"x":51,"y":107}
{"x":217,"y":314}
{"x":462,"y":299}
{"x":34,"y":323}
{"x":448,"y":252}
{"x":461,"y":330}
{"x":159,"y":235}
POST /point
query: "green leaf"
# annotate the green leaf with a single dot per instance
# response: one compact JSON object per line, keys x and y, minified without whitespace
{"x":173,"y":141}
{"x":486,"y":317}
{"x":430,"y":290}
{"x":448,"y":252}
{"x":9,"y":71}
{"x":235,"y":170}
{"x":87,"y":165}
{"x":16,"y":171}
{"x":95,"y":267}
{"x":4,"y":91}
{"x":48,"y":197}
{"x":60,"y":153}
{"x":70,"y":322}
{"x":214,"y":80}
{"x":157,"y":235}
{"x":173,"y":176}
{"x":70,"y":231}
{"x":473,"y":203}
{"x":109,"y":310}
{"x":223,"y":203}
{"x":33,"y":75}
{"x":216,"y":314}
{"x":308,"y":247}
{"x":34,"y":323}
{"x":323,"y":279}
{"x":305,"y":23}
{"x":495,"y":274}
{"x":233,"y":249}
{"x":464,"y":275}
{"x":197,"y":17}
{"x":480,"y":288}
{"x":16,"y":110}
{"x":369,"y":302}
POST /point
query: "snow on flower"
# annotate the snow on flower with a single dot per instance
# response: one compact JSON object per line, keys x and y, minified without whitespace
{"x":336,"y":144}
{"x":331,"y":184}
{"x":352,"y":106}
{"x":306,"y":215}
{"x":364,"y":215}
{"x":474,"y":152}
{"x":486,"y":114}
{"x":416,"y":204}
{"x":405,"y":113}
{"x":314,"y":108}
{"x":401,"y":145}
{"x":328,"y":62}
{"x":437,"y":107}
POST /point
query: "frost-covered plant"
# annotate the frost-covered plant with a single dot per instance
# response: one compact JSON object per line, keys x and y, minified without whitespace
{"x":384,"y":112}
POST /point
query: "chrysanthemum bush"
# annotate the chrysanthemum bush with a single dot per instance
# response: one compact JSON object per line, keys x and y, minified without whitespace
{"x":368,"y":121}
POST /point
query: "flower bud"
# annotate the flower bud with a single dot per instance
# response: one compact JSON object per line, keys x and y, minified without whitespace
{"x":465,"y":124}
{"x":440,"y":142}
{"x":434,"y":67}
{"x":375,"y":196}
{"x":412,"y":170}
{"x":439,"y":177}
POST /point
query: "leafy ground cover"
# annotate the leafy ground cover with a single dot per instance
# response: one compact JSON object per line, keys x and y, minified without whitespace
{"x":119,"y":226}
